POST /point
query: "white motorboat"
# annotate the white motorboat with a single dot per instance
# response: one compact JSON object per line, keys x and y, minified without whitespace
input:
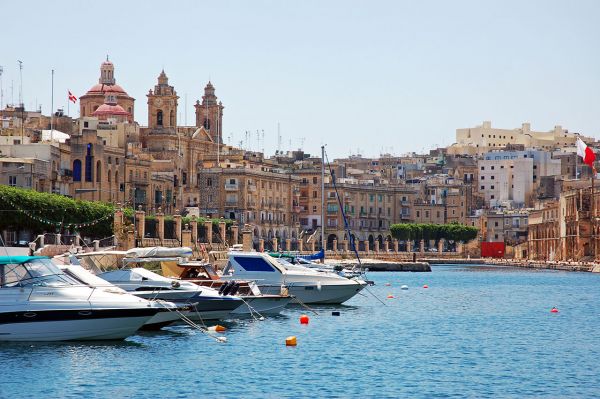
{"x":206,"y":303}
{"x":38,"y":302}
{"x":159,"y":320}
{"x":307,"y":285}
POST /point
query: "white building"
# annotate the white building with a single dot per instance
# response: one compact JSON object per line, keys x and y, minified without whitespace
{"x":509,"y":178}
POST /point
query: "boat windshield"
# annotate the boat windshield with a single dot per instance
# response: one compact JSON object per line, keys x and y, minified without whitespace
{"x":36,"y":272}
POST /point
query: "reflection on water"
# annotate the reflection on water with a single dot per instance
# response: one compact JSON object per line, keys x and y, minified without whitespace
{"x":477,"y":331}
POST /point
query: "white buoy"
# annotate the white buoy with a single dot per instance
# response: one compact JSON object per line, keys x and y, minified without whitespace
{"x":404,"y":287}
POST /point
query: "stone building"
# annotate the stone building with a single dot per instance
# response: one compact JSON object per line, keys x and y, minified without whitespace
{"x":209,"y":114}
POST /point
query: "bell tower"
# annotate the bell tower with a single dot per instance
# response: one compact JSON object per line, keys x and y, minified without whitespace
{"x":209,"y":114}
{"x":162,"y":105}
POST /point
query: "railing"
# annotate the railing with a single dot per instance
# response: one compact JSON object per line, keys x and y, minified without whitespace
{"x":229,"y":186}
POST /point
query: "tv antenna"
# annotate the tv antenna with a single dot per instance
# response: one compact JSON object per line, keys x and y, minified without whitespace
{"x":20,"y":83}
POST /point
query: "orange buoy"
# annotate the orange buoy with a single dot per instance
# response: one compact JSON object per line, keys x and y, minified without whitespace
{"x":304,"y":319}
{"x":290,"y":341}
{"x":554,"y":310}
{"x":425,"y":286}
{"x":390,"y":296}
{"x":217,"y":328}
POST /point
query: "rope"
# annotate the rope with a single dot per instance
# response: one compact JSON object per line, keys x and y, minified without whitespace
{"x":252,"y":311}
{"x":305,"y":305}
{"x":190,"y":323}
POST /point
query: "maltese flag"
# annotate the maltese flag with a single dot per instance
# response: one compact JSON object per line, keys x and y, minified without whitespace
{"x":586,"y":153}
{"x":72,"y":97}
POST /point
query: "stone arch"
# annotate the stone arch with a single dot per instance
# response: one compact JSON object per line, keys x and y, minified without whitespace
{"x":371,"y":241}
{"x":380,"y":239}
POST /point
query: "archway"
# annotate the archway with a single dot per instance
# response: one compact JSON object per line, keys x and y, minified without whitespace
{"x":371,"y":241}
{"x":330,"y":239}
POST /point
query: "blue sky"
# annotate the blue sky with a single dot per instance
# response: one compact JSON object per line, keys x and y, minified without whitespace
{"x":368,"y":76}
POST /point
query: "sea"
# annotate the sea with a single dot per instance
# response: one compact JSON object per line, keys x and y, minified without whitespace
{"x":475,"y":332}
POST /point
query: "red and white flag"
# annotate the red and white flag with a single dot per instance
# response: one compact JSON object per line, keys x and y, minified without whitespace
{"x":72,"y":97}
{"x":586,"y":153}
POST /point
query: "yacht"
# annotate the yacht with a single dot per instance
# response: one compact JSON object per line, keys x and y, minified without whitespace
{"x":159,"y":320}
{"x":205,"y":302}
{"x":38,"y":302}
{"x":307,"y":285}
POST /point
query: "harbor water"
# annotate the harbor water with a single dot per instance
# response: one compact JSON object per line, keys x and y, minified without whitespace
{"x":477,"y":331}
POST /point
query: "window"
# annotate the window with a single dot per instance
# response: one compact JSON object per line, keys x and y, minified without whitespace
{"x":495,"y":224}
{"x":491,"y":187}
{"x":492,"y":197}
{"x":231,"y":181}
{"x":492,"y":177}
{"x":159,"y":118}
{"x":418,"y":213}
{"x":314,"y":194}
{"x":314,"y":208}
{"x":209,"y":182}
{"x":12,"y":181}
{"x":483,"y":168}
{"x":482,"y":177}
{"x":426,"y":214}
{"x":492,"y":167}
{"x":483,"y":187}
{"x":183,"y":178}
{"x":88,"y":164}
{"x":77,"y":170}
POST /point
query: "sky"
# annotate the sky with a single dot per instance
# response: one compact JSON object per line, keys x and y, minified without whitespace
{"x":361,"y":77}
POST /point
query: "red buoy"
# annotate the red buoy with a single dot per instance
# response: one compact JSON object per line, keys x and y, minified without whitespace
{"x":304,"y":319}
{"x":390,"y":296}
{"x":554,"y":310}
{"x":425,"y":286}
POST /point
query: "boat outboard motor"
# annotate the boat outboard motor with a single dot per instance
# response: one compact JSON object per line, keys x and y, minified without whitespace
{"x":234,"y":289}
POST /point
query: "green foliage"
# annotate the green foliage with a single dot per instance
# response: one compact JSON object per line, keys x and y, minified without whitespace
{"x":427,"y":231}
{"x":53,"y":213}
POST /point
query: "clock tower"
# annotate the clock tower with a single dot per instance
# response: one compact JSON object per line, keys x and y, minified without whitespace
{"x":162,"y":105}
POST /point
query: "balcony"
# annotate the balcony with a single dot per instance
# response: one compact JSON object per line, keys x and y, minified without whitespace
{"x":230,"y":203}
{"x":231,"y":187}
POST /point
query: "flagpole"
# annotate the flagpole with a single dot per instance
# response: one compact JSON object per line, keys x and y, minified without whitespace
{"x":52,"y":111}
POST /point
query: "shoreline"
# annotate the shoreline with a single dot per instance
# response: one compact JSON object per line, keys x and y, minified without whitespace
{"x":424,"y":264}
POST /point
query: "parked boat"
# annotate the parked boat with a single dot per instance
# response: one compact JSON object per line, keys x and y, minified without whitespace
{"x":159,"y":320}
{"x":308,"y":285}
{"x":38,"y":302}
{"x":204,"y":274}
{"x":206,"y":302}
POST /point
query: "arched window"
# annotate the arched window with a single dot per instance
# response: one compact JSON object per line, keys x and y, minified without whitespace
{"x":206,"y":123}
{"x":159,"y":118}
{"x":77,"y":170}
{"x":98,"y":171}
{"x":109,"y":176}
{"x":172,"y":118}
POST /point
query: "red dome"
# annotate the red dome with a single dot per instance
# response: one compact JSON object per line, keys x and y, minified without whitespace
{"x":106,"y":109}
{"x":103,"y":89}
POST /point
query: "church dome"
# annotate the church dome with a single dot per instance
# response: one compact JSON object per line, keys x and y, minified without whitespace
{"x":109,"y":110}
{"x":104,"y":89}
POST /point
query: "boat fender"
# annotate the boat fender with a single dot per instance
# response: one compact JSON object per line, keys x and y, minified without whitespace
{"x":222,"y":288}
{"x":228,"y":288}
{"x":235,"y":289}
{"x":175,"y":284}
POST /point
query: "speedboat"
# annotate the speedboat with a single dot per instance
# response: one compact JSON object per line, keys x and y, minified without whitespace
{"x":38,"y":302}
{"x":204,"y":274}
{"x":159,"y":320}
{"x":307,"y":285}
{"x":205,"y":302}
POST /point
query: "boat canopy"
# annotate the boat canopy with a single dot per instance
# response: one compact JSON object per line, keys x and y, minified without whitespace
{"x":17,"y":260}
{"x":159,"y":252}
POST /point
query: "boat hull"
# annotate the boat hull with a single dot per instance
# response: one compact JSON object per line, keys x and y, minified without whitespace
{"x":73,"y":324}
{"x":315,"y":294}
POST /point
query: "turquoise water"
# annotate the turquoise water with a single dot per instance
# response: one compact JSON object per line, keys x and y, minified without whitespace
{"x":475,"y":332}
